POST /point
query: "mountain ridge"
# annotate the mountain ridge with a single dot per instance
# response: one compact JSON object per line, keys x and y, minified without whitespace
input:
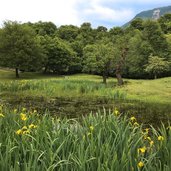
{"x":151,"y":14}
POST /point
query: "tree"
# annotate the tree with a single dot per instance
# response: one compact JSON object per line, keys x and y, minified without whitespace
{"x":100,"y":33}
{"x":139,"y":51}
{"x":137,"y":23}
{"x":115,"y":33}
{"x":43,"y":28}
{"x":98,"y":58}
{"x":67,"y":32}
{"x":165,"y":23}
{"x":157,"y":65}
{"x":19,"y":47}
{"x":153,"y":34}
{"x":86,"y":34}
{"x":122,"y":47}
{"x":60,"y":56}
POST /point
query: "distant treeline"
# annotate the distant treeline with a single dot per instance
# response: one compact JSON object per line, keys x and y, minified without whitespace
{"x":68,"y":49}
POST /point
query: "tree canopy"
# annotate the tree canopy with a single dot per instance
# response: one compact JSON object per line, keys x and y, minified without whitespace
{"x":157,"y":65}
{"x":98,"y":58}
{"x":19,"y":47}
{"x":71,"y":49}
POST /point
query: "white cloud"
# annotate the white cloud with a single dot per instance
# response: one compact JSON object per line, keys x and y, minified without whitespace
{"x":74,"y":11}
{"x":133,"y":1}
{"x":59,"y":12}
{"x":106,"y":13}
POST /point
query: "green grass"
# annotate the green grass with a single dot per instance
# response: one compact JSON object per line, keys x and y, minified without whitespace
{"x":6,"y":74}
{"x":158,"y":91}
{"x":149,"y":90}
{"x":101,"y":141}
{"x":79,"y":94}
{"x":104,"y":140}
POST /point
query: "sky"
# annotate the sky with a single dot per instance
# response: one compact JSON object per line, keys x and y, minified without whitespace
{"x":108,"y":13}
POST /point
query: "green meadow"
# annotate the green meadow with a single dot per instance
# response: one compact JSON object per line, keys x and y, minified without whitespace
{"x":76,"y":122}
{"x":77,"y":95}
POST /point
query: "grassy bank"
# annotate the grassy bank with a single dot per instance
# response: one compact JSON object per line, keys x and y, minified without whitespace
{"x":37,"y":134}
{"x":104,"y":141}
{"x":78,"y":95}
{"x":90,"y":85}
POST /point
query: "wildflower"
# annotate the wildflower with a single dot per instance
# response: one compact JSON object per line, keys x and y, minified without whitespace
{"x":147,"y":130}
{"x":145,"y":137}
{"x":32,"y":126}
{"x":169,"y":128}
{"x":116,"y":112}
{"x":15,"y":110}
{"x":142,"y":150}
{"x":26,"y":132}
{"x":1,"y":115}
{"x":151,"y":143}
{"x":136,"y":124}
{"x":24,"y":128}
{"x":35,"y":111}
{"x":148,"y":138}
{"x":140,"y":164}
{"x":24,"y":109}
{"x":160,"y":138}
{"x":91,"y":128}
{"x":133,"y":119}
{"x":19,"y":132}
{"x":23,"y":116}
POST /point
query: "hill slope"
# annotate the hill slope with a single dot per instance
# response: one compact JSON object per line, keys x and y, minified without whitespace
{"x":151,"y":14}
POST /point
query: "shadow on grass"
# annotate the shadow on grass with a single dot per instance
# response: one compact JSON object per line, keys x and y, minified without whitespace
{"x":147,"y":113}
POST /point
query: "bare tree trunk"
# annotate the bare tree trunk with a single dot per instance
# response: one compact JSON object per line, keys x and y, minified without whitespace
{"x":104,"y":78}
{"x":17,"y":72}
{"x":118,"y":76}
{"x":119,"y":66}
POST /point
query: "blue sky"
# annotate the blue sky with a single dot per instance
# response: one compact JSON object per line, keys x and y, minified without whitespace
{"x":108,"y":13}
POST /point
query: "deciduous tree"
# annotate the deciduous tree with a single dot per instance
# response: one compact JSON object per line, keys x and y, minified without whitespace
{"x":19,"y":47}
{"x":157,"y":65}
{"x":99,"y":58}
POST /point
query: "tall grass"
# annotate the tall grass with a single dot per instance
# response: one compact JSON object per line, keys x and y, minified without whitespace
{"x":102,"y":141}
{"x":60,"y":88}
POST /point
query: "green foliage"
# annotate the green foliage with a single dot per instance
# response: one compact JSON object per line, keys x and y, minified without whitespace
{"x":43,"y":28}
{"x":157,"y":65}
{"x":60,"y":55}
{"x":70,"y":49}
{"x":153,"y":34}
{"x":139,"y":50}
{"x":99,"y":58}
{"x":104,"y":141}
{"x":115,"y":33}
{"x":86,"y":35}
{"x":137,"y":24}
{"x":19,"y":47}
{"x":68,"y":32}
{"x":100,"y":33}
{"x":165,"y":23}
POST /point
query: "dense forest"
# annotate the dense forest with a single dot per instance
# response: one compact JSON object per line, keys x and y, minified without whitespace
{"x":141,"y":50}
